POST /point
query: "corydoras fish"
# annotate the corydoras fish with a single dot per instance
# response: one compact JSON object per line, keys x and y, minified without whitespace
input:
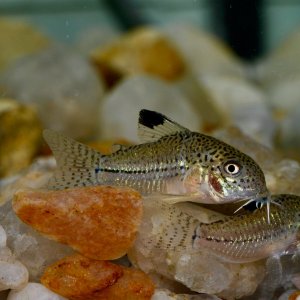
{"x":236,"y":239}
{"x":172,"y":160}
{"x":250,"y":237}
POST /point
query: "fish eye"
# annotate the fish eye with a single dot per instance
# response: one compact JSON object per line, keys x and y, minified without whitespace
{"x":232,"y":168}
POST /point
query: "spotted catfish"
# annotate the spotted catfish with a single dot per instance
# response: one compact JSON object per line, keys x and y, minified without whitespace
{"x":240,"y":238}
{"x":172,"y":160}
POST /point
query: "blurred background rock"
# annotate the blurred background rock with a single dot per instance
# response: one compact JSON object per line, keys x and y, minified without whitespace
{"x":228,"y":68}
{"x":88,"y":67}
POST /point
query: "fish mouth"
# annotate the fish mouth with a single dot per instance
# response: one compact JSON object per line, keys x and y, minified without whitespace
{"x":258,"y":198}
{"x":221,"y":195}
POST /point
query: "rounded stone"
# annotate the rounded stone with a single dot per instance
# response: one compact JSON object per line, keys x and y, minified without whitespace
{"x":13,"y":275}
{"x":34,"y":291}
{"x":100,"y":222}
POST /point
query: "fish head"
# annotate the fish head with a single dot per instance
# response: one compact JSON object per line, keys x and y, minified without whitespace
{"x":235,"y":177}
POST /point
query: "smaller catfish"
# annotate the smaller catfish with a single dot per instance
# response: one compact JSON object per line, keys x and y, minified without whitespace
{"x":172,"y":161}
{"x":240,"y":238}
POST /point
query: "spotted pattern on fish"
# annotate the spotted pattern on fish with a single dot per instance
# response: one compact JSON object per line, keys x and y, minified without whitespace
{"x":174,"y":161}
{"x":235,"y":239}
{"x":249,"y":237}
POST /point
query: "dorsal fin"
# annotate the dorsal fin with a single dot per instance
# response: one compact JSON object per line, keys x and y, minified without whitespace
{"x":153,"y":125}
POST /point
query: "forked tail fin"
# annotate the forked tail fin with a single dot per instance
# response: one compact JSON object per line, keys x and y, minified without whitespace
{"x":77,"y":164}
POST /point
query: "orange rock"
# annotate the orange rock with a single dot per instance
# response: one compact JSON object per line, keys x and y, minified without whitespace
{"x":144,"y":50}
{"x":133,"y":285}
{"x":100,"y":221}
{"x":80,"y":278}
{"x":295,"y":296}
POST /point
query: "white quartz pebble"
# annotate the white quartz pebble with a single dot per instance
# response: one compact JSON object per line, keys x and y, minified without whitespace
{"x":62,"y":86}
{"x":34,"y":291}
{"x":242,"y":104}
{"x":13,"y":275}
{"x":2,"y":237}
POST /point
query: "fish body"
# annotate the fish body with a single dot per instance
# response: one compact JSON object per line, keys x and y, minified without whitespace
{"x":235,"y":239}
{"x":250,"y":237}
{"x":172,"y":160}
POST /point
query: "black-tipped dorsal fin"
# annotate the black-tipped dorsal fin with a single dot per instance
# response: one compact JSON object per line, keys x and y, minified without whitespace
{"x":153,"y":125}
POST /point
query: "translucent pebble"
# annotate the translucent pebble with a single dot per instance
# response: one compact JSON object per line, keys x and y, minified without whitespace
{"x":34,"y":177}
{"x":63,"y":87}
{"x":282,"y":64}
{"x":2,"y":237}
{"x":242,"y":104}
{"x":203,"y":52}
{"x":34,"y":291}
{"x":13,"y":275}
{"x":287,"y":112}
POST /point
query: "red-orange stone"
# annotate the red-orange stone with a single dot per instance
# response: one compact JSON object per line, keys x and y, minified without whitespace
{"x":133,"y":285}
{"x":295,"y":295}
{"x":79,"y":278}
{"x":100,"y":222}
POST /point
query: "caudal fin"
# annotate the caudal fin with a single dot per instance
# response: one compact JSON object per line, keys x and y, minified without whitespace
{"x":77,"y":164}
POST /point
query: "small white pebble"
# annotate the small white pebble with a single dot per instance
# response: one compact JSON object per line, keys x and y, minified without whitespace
{"x":34,"y":291}
{"x":2,"y":237}
{"x":13,"y":275}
